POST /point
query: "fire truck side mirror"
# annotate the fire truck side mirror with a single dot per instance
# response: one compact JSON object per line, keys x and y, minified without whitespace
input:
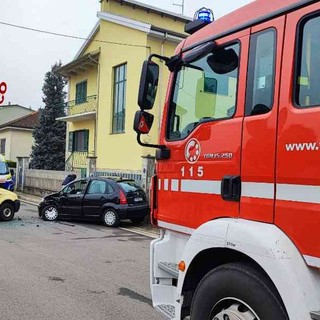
{"x":143,"y":122}
{"x":148,"y":85}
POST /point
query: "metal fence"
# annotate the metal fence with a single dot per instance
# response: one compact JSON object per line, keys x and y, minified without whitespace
{"x":126,"y":175}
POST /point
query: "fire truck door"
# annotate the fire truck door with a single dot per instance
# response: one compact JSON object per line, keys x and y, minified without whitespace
{"x":298,"y":178}
{"x":204,"y":137}
{"x":260,"y":120}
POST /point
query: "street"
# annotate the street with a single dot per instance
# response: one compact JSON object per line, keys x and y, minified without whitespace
{"x":72,"y":270}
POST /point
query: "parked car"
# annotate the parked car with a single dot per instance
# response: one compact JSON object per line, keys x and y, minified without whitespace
{"x":99,"y":198}
{"x":9,"y":204}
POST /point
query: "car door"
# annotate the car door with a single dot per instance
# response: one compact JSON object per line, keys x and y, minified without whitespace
{"x":70,"y":201}
{"x":203,"y":134}
{"x":97,"y":194}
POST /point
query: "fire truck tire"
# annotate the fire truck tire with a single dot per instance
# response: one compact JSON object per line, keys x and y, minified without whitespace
{"x":236,"y":291}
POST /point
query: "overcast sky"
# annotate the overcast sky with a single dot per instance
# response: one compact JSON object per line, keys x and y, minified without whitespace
{"x":25,"y":56}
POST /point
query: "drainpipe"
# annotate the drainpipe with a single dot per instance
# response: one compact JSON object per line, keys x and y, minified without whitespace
{"x":97,"y":104}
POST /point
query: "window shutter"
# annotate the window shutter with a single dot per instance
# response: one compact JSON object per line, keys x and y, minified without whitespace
{"x":70,"y":145}
{"x":86,"y":140}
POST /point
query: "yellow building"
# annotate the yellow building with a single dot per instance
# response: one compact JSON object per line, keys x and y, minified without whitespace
{"x":104,"y":83}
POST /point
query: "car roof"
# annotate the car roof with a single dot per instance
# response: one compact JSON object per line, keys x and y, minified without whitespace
{"x":113,"y":178}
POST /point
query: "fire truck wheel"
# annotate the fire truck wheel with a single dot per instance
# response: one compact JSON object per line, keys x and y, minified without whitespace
{"x":236,"y":291}
{"x":6,"y":212}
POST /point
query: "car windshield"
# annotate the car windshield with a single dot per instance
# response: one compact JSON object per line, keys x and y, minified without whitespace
{"x":4,"y":168}
{"x":129,"y":186}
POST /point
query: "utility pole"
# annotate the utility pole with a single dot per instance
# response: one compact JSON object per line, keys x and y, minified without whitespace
{"x":180,"y":5}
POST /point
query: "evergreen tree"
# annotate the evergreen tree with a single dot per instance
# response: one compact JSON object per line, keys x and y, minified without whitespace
{"x":48,"y":151}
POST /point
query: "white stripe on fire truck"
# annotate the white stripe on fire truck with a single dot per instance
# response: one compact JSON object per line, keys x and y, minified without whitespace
{"x":174,"y":185}
{"x":286,"y":192}
{"x":201,"y":186}
{"x":257,"y":190}
{"x":166,"y":184}
{"x":297,"y":192}
{"x":312,"y":261}
{"x":159,"y":184}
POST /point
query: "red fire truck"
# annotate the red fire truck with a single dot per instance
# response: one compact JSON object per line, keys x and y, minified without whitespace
{"x":237,"y":186}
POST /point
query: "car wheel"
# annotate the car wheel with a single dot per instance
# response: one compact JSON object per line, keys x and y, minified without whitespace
{"x":137,"y":220}
{"x":6,"y":212}
{"x":111,"y":218}
{"x":50,"y":213}
{"x":236,"y":291}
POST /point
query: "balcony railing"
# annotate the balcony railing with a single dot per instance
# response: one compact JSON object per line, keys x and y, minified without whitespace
{"x":76,"y":107}
{"x":76,"y":159}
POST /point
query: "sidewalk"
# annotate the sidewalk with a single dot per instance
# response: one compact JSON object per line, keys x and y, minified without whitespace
{"x":28,"y":197}
{"x":144,"y":228}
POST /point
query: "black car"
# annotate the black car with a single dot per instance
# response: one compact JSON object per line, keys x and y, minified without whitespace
{"x":104,"y":199}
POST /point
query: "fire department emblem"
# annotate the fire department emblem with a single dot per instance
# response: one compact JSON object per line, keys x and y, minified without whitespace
{"x":192,"y":151}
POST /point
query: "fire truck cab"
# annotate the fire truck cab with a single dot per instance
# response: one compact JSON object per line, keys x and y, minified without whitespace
{"x":237,"y":186}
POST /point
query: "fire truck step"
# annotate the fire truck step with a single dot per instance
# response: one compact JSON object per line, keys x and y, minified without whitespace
{"x":315,"y":315}
{"x":171,"y":268}
{"x":167,"y":310}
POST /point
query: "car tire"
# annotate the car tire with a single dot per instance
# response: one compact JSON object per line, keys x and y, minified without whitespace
{"x":50,"y":213}
{"x":6,"y":212}
{"x":236,"y":290}
{"x":137,"y":220}
{"x":110,"y":218}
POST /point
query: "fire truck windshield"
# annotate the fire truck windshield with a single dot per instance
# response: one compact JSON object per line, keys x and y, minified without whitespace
{"x":204,"y":90}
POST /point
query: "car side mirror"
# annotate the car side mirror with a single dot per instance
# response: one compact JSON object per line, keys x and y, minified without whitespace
{"x":143,"y":122}
{"x":148,"y":85}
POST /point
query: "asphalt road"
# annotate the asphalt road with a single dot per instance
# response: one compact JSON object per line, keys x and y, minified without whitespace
{"x":72,"y":271}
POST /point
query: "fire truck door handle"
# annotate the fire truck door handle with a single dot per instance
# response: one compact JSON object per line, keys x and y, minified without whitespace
{"x":231,"y":188}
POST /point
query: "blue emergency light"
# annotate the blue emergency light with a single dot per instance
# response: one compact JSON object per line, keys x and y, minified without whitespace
{"x":201,"y":18}
{"x":204,"y":14}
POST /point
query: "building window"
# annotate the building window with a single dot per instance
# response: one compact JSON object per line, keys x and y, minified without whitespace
{"x":261,"y":72}
{"x":119,"y":99}
{"x":81,"y":92}
{"x":307,"y":93}
{"x":2,"y":146}
{"x":79,"y":141}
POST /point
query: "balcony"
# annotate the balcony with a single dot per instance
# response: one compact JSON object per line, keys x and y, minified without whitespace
{"x":79,"y":110}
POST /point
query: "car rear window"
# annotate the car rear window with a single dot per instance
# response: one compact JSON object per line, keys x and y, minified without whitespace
{"x":129,"y":186}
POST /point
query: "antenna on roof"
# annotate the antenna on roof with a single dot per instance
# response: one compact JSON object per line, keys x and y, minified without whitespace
{"x":180,"y":5}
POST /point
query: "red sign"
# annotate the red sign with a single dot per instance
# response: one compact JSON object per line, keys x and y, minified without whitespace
{"x":3,"y":90}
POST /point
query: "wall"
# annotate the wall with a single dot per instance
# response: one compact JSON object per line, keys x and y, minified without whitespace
{"x":21,"y":143}
{"x":18,"y":143}
{"x":114,"y":150}
{"x":42,"y":182}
